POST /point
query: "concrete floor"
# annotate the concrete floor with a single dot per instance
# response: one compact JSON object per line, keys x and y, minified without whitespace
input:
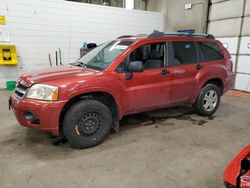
{"x":181,"y":149}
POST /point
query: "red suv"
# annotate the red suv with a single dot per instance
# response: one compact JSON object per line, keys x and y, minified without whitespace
{"x":128,"y":75}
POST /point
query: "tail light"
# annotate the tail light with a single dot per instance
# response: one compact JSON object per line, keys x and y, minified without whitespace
{"x":229,"y":65}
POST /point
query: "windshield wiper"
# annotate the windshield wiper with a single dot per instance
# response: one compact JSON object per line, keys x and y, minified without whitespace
{"x":79,"y":64}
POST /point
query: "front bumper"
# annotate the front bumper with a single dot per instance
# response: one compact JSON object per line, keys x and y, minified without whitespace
{"x":47,"y":113}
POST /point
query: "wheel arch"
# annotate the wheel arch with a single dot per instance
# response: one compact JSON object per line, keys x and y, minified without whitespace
{"x":102,"y":96}
{"x":216,"y":81}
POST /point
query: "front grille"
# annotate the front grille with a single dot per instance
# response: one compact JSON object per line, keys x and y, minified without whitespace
{"x":20,"y":90}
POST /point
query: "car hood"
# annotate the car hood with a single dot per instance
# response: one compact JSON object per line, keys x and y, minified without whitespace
{"x":55,"y":73}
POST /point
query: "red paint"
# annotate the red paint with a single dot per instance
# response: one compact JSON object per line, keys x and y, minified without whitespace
{"x":48,"y":113}
{"x":233,"y":169}
{"x":148,"y":90}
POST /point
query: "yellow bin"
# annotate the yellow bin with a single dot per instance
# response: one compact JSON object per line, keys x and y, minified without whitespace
{"x":8,"y":54}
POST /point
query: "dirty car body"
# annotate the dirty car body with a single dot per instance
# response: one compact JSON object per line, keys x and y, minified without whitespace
{"x":127,"y":75}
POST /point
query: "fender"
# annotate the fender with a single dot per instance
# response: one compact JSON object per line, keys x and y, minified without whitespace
{"x":215,"y":71}
{"x":88,"y":89}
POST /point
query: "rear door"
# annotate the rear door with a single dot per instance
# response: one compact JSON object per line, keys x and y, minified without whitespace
{"x":183,"y":67}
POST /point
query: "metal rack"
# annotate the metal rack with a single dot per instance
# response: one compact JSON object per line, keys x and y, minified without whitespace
{"x":179,"y":34}
{"x":156,"y":34}
{"x":128,"y":36}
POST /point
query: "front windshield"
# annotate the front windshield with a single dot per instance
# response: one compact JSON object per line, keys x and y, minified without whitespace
{"x":102,"y":56}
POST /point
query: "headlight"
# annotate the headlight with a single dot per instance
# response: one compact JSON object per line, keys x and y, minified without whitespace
{"x":43,"y":92}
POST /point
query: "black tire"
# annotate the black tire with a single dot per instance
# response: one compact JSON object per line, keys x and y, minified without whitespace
{"x":201,"y":106}
{"x":87,"y":123}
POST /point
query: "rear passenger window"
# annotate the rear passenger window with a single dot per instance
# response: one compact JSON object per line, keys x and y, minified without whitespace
{"x":210,"y":51}
{"x":184,"y":53}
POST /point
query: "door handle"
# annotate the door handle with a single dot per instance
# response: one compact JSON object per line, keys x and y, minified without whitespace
{"x":164,"y":72}
{"x":199,"y":67}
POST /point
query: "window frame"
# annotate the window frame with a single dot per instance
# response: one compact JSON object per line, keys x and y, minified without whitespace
{"x":127,"y":58}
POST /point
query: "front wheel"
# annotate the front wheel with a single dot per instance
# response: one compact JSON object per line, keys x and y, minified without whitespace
{"x":208,"y":100}
{"x":87,"y":123}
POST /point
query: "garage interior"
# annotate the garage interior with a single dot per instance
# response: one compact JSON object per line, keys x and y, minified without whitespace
{"x":171,"y":147}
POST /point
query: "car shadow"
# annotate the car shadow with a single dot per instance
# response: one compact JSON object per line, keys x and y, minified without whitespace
{"x":45,"y":146}
{"x":151,"y":118}
{"x":157,"y":116}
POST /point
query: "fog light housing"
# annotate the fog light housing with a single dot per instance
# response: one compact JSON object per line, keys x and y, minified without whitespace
{"x":29,"y":116}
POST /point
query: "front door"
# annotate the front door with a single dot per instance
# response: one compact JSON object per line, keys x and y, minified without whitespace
{"x":151,"y":88}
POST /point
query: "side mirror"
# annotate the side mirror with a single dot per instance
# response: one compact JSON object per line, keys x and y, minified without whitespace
{"x":134,"y":66}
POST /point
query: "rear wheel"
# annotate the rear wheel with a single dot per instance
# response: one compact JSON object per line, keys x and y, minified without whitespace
{"x":208,"y":100}
{"x":87,"y":123}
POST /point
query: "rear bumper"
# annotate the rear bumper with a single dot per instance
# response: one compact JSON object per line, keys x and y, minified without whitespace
{"x":229,"y":82}
{"x":47,"y":113}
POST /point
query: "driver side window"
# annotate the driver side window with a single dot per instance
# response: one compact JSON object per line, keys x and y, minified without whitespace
{"x":151,"y":55}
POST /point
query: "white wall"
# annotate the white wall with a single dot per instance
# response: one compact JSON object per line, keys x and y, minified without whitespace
{"x":39,"y":27}
{"x":226,"y":18}
{"x":179,"y":18}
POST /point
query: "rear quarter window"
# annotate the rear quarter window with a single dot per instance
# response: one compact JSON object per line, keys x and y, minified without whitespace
{"x":210,"y":51}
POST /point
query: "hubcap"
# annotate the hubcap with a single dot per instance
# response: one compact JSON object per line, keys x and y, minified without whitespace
{"x":88,"y":124}
{"x":210,"y":100}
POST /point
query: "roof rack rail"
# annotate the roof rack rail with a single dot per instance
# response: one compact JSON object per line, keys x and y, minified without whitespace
{"x":124,"y":36}
{"x":127,"y":36}
{"x":179,"y":34}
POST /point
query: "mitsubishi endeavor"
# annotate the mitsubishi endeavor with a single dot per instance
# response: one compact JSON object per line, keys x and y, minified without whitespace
{"x":86,"y":99}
